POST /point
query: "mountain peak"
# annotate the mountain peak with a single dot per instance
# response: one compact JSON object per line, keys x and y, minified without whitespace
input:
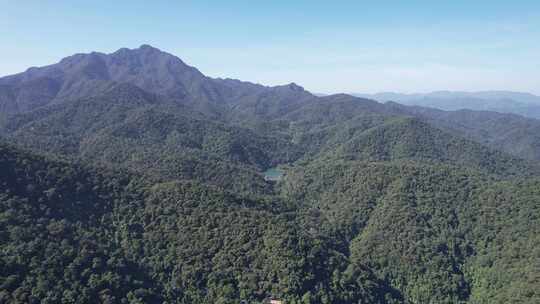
{"x":293,"y":86}
{"x":149,"y":48}
{"x":143,"y":50}
{"x":146,"y":67}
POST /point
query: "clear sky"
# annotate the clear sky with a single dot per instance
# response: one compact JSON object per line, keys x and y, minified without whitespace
{"x":325,"y":46}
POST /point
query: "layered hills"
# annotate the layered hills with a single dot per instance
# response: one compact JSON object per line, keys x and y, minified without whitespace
{"x":524,"y":104}
{"x":131,"y":177}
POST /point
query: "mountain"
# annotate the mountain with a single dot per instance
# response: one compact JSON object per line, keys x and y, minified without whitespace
{"x":81,"y":75}
{"x":126,"y":126}
{"x":84,"y":75}
{"x":154,"y":107}
{"x":131,"y":177}
{"x":513,"y":134}
{"x":412,"y":139}
{"x":524,"y":104}
{"x":227,"y":100}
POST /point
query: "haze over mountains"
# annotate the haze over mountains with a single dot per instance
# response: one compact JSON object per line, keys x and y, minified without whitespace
{"x":525,"y":104}
{"x":132,"y":177}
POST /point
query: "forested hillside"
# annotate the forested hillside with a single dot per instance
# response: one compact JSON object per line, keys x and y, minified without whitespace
{"x":434,"y":232}
{"x":509,"y":133}
{"x":133,"y":178}
{"x":73,"y":235}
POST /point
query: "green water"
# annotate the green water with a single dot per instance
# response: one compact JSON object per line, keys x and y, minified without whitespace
{"x":273,"y":174}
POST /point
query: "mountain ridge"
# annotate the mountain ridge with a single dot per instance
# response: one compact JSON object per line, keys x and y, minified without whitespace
{"x":147,"y":67}
{"x":520,"y":103}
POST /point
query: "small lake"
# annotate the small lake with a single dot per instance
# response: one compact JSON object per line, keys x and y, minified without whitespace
{"x":273,"y":174}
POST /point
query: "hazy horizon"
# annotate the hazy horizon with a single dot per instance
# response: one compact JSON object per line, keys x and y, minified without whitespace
{"x":417,"y":47}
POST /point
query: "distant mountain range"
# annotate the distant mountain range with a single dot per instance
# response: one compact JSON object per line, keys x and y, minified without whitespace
{"x":525,"y":104}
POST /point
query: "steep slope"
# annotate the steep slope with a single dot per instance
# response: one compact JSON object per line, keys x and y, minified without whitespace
{"x":510,"y":133}
{"x":412,"y":139}
{"x":326,"y":122}
{"x":271,"y":104}
{"x":127,"y":126}
{"x":346,"y":127}
{"x":436,"y":233}
{"x":57,"y":242}
{"x":86,"y":75}
{"x":70,"y":234}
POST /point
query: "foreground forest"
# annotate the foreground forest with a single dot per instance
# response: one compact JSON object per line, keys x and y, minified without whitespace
{"x":133,"y":178}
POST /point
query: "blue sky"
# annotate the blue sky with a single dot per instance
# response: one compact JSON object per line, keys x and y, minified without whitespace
{"x":325,"y":46}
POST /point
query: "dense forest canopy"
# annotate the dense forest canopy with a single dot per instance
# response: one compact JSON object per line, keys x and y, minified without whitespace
{"x":133,"y":178}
